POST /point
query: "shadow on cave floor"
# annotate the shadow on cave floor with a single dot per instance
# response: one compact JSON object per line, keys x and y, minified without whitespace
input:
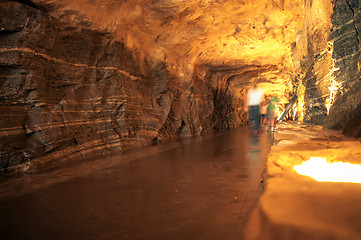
{"x":200,"y":188}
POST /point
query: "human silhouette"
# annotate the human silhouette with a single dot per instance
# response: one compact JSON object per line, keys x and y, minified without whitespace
{"x":255,"y":97}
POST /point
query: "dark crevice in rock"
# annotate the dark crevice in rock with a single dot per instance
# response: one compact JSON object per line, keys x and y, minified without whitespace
{"x":9,"y":31}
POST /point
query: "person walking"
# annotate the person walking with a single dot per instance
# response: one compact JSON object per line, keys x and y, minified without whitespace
{"x":255,"y":97}
{"x":272,"y":112}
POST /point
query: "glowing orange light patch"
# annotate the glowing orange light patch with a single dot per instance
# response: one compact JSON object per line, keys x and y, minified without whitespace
{"x":323,"y":171}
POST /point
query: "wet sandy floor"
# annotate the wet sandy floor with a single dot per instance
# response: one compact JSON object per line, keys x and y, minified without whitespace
{"x":195,"y":188}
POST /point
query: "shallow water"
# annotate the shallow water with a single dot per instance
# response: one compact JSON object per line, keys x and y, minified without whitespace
{"x":195,"y":188}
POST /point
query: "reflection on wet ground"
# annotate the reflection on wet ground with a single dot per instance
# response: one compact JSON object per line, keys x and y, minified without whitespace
{"x":195,"y":188}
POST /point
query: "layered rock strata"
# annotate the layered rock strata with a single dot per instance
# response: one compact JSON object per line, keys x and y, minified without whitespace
{"x":67,"y":91}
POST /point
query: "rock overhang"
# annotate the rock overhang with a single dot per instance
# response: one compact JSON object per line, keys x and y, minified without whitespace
{"x":186,"y":33}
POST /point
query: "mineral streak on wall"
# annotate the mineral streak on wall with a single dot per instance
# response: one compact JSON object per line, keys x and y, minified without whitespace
{"x":82,"y":78}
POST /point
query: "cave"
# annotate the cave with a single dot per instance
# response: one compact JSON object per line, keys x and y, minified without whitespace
{"x":87,"y":78}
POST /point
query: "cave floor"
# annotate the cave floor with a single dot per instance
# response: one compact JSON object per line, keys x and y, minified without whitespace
{"x":195,"y":188}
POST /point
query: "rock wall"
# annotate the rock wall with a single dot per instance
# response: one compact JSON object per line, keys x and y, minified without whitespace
{"x":346,"y":111}
{"x":67,"y":92}
{"x":74,"y":93}
{"x":313,"y":58}
{"x":327,"y":54}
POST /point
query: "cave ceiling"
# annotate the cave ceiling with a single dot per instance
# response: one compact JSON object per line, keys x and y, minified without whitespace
{"x":183,"y":33}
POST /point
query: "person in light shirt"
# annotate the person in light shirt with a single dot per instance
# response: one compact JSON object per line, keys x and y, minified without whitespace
{"x":255,"y":97}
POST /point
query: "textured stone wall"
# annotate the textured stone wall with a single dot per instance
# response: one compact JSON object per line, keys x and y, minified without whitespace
{"x":346,"y":111}
{"x":67,"y":92}
{"x":327,"y":56}
{"x":314,"y":60}
{"x":72,"y":93}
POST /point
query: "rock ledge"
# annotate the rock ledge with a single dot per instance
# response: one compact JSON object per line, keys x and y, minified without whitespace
{"x":298,"y":207}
